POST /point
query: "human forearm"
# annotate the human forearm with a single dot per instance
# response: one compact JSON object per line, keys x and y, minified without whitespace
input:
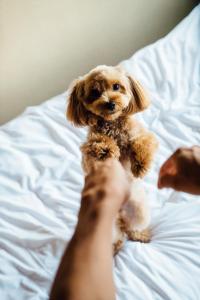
{"x":85,"y":271}
{"x":86,"y":268}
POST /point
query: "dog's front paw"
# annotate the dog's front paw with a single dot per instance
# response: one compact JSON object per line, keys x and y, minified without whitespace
{"x":143,"y":236}
{"x":100,"y":148}
{"x":142,"y":152}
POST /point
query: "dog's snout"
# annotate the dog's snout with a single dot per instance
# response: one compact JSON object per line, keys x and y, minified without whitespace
{"x":110,"y":105}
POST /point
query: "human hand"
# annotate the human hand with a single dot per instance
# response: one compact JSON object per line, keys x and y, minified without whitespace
{"x":106,"y":187}
{"x":181,"y":171}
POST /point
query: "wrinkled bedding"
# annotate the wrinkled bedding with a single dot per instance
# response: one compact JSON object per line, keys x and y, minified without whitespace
{"x":41,"y":180}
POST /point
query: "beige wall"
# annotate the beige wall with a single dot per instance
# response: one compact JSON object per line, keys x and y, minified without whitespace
{"x":44,"y":44}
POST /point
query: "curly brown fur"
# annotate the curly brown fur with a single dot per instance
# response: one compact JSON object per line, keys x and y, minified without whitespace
{"x":117,"y":246}
{"x":143,"y":236}
{"x":142,"y":151}
{"x":105,"y":99}
{"x":98,"y":147}
{"x":133,"y":235}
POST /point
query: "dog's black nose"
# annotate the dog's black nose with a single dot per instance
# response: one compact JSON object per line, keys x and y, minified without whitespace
{"x":110,"y":105}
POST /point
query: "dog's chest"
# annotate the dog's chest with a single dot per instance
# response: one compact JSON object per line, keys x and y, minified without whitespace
{"x":116,"y":130}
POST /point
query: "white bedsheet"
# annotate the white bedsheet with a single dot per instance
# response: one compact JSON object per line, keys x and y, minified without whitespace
{"x":41,"y":180}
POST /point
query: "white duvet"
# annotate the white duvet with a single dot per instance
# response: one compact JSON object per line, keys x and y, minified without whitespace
{"x":41,"y":180}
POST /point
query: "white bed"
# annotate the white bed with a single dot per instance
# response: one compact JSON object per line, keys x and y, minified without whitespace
{"x":41,"y":180}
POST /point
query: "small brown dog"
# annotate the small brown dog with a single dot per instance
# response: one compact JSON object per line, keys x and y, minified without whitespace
{"x":105,"y":99}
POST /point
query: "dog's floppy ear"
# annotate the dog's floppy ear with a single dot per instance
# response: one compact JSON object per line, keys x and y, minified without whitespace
{"x":76,"y":112}
{"x":140,"y":100}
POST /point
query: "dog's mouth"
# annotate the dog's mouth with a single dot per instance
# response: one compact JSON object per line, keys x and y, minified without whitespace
{"x":111,"y":112}
{"x":110,"y":108}
{"x":110,"y":115}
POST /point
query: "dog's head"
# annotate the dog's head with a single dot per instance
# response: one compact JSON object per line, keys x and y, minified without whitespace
{"x":107,"y":93}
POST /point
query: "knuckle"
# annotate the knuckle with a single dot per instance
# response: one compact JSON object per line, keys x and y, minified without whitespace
{"x":180,"y":151}
{"x":100,"y":194}
{"x":93,"y":215}
{"x":89,"y":184}
{"x":87,"y":196}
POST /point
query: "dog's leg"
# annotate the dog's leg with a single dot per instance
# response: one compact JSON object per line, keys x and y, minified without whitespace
{"x":119,"y":236}
{"x":143,"y":236}
{"x":135,"y":214}
{"x":98,"y":148}
{"x":142,"y":150}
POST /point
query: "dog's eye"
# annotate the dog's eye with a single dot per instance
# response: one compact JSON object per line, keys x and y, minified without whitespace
{"x":116,"y":86}
{"x":95,"y":94}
